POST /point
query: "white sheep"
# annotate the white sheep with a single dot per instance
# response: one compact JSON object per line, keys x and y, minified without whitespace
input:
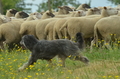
{"x":28,"y":27}
{"x":40,"y":28}
{"x":83,"y":7}
{"x":9,"y":33}
{"x":106,"y":29}
{"x":21,"y":14}
{"x":11,"y":12}
{"x":49,"y":30}
{"x":85,"y":25}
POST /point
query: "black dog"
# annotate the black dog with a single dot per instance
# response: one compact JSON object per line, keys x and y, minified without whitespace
{"x":47,"y":50}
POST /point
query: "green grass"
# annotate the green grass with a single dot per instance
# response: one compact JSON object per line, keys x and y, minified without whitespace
{"x":104,"y":64}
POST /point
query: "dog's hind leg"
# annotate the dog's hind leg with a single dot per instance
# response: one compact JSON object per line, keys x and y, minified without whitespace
{"x":50,"y":62}
{"x":30,"y":62}
{"x":62,"y":59}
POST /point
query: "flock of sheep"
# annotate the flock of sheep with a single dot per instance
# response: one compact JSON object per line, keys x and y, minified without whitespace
{"x":62,"y":24}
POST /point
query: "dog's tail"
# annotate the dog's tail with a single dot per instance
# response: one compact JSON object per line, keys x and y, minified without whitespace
{"x":80,"y":40}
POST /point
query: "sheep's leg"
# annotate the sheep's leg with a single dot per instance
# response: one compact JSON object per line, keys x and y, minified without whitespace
{"x":107,"y":45}
{"x":92,"y":44}
{"x":65,"y":33}
{"x":54,"y":34}
{"x":59,"y":35}
{"x":1,"y":45}
{"x":107,"y":42}
{"x":50,"y":36}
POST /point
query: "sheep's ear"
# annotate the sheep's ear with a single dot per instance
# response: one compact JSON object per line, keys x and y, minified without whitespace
{"x":20,"y":13}
{"x":60,"y":7}
{"x":92,"y":10}
{"x":105,"y":7}
{"x":47,"y":13}
{"x":79,"y":12}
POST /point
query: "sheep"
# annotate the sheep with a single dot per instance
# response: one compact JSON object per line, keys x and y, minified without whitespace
{"x":34,"y":16}
{"x":93,"y":11}
{"x":9,"y":33}
{"x":73,"y":14}
{"x":83,"y":7}
{"x":4,"y":20}
{"x":59,"y":34}
{"x":106,"y":29}
{"x":47,"y":14}
{"x":21,"y":14}
{"x":63,"y":10}
{"x":49,"y":30}
{"x":28,"y":27}
{"x":40,"y":28}
{"x":11,"y":12}
{"x":85,"y":25}
{"x":60,"y":22}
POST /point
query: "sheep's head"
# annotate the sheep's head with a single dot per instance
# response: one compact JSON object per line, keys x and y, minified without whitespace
{"x":67,"y":8}
{"x":110,"y":11}
{"x":50,"y":14}
{"x":21,"y":14}
{"x":11,"y":12}
{"x":64,"y":9}
{"x":96,"y":10}
{"x":85,"y":6}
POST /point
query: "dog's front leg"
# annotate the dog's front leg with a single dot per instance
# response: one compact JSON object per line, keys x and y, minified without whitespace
{"x":30,"y":62}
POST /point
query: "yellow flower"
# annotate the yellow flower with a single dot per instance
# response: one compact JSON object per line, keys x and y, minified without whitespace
{"x":39,"y":69}
{"x":111,"y":34}
{"x":118,"y":41}
{"x":29,"y":76}
{"x":109,"y":76}
{"x":104,"y":76}
{"x":36,"y":73}
{"x":42,"y":73}
{"x":106,"y":44}
{"x":61,"y":72}
{"x":69,"y":56}
{"x":67,"y":77}
{"x":117,"y":76}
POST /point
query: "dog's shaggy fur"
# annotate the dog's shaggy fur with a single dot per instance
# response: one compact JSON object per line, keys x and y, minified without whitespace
{"x":47,"y":50}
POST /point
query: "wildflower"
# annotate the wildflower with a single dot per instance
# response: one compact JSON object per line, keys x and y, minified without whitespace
{"x":67,"y":77}
{"x":42,"y":73}
{"x":65,"y":37}
{"x":36,"y":73}
{"x":102,"y":40}
{"x":118,"y":41}
{"x":109,"y":76}
{"x":117,"y":76}
{"x":46,"y":65}
{"x":111,"y":34}
{"x":106,"y":44}
{"x":39,"y":69}
{"x":69,"y":56}
{"x":104,"y":76}
{"x":61,"y":72}
{"x":29,"y":76}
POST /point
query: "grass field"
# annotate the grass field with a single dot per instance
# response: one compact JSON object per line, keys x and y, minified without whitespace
{"x":104,"y":64}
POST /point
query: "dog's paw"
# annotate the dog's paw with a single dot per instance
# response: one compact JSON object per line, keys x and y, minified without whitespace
{"x":21,"y":69}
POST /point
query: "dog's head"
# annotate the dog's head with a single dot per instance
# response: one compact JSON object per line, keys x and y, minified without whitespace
{"x":28,"y":41}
